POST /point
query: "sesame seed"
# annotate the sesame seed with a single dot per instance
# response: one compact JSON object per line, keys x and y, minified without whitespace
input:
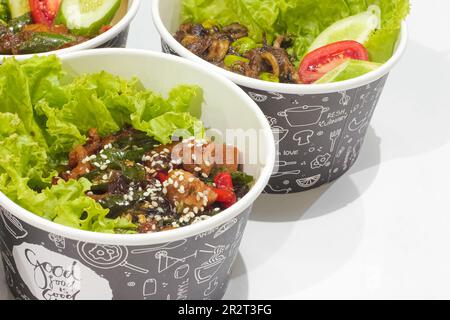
{"x":195,"y":209}
{"x":197,"y":169}
{"x":204,"y":175}
{"x":186,"y":210}
{"x":103,"y":156}
{"x":105,"y":177}
{"x":104,"y":167}
{"x":155,"y":204}
{"x":191,"y":179}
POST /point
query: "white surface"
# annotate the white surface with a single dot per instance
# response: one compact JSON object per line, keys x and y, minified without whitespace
{"x":382,"y":231}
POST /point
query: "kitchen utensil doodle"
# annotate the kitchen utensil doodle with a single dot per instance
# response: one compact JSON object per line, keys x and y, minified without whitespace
{"x":209,"y":268}
{"x":334,"y":135}
{"x":13,"y":225}
{"x":106,"y":257}
{"x":287,"y":173}
{"x":356,"y":125}
{"x":165,"y":261}
{"x":212,"y":286}
{"x":345,"y":98}
{"x":167,"y":246}
{"x":303,"y":116}
{"x":277,"y":96}
{"x":279,"y":134}
{"x":225,"y":227}
{"x":59,"y":241}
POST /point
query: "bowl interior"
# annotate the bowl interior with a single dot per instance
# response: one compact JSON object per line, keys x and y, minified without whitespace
{"x":121,"y":21}
{"x":225,"y":107}
{"x":167,"y":18}
{"x":220,"y":108}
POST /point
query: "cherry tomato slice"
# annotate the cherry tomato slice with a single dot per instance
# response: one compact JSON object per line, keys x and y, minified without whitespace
{"x":223,"y":180}
{"x":44,"y":11}
{"x":320,"y":61}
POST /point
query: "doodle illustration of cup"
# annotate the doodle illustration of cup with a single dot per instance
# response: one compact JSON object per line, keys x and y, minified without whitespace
{"x":306,"y":119}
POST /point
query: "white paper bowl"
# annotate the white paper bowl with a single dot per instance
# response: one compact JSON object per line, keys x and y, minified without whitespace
{"x":143,"y":266}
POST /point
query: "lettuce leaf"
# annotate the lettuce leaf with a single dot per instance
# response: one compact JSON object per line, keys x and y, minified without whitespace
{"x":43,"y":117}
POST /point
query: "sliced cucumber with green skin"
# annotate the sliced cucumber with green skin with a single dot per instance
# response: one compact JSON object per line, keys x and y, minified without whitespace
{"x":18,"y":8}
{"x":358,"y":28}
{"x":349,"y":70}
{"x":87,"y":17}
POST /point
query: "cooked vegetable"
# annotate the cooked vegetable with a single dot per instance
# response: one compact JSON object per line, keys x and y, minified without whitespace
{"x":42,"y":41}
{"x":305,"y":25}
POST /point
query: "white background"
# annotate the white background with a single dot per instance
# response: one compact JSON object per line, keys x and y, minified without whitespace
{"x":383,"y":230}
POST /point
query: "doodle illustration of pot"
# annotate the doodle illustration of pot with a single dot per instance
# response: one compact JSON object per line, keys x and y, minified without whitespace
{"x":303,"y":116}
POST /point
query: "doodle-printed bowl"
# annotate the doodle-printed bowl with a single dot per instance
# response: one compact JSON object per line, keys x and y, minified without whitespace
{"x":44,"y":260}
{"x":116,"y":37}
{"x":319,"y":129}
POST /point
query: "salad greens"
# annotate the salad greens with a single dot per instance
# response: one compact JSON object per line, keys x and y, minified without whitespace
{"x":44,"y":114}
{"x":303,"y":20}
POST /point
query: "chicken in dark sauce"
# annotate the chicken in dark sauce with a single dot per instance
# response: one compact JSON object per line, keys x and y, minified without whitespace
{"x":158,"y":187}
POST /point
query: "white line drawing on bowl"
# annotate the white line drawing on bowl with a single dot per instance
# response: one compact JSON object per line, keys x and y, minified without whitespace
{"x":320,"y":161}
{"x":356,"y":125}
{"x":281,"y":164}
{"x":209,"y":268}
{"x":235,"y":245}
{"x":279,"y":134}
{"x":213,"y":285}
{"x":309,"y":182}
{"x":182,"y":271}
{"x":303,"y":116}
{"x":225,"y":227}
{"x":166,"y":262}
{"x":272,"y":120}
{"x":347,"y":158}
{"x":345,"y":99}
{"x":106,"y":256}
{"x":277,"y":96}
{"x":286,"y":173}
{"x":278,"y":191}
{"x":340,"y":152}
{"x":150,"y":287}
{"x":167,"y":246}
{"x":334,"y":135}
{"x":303,"y":137}
{"x":59,"y":241}
{"x":13,"y":225}
{"x":257,"y":97}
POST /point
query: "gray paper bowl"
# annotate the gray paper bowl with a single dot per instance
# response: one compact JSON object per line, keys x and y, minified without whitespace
{"x":44,"y":260}
{"x":319,"y":129}
{"x":116,"y":37}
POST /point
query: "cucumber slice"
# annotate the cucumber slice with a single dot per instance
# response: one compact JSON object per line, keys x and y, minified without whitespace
{"x":349,"y":70}
{"x":86,"y":17}
{"x":358,"y":28}
{"x":18,"y":8}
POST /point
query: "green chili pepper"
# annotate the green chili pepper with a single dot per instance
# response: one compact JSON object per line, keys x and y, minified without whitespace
{"x":42,"y":42}
{"x":266,"y":76}
{"x":230,"y":60}
{"x":244,"y":45}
